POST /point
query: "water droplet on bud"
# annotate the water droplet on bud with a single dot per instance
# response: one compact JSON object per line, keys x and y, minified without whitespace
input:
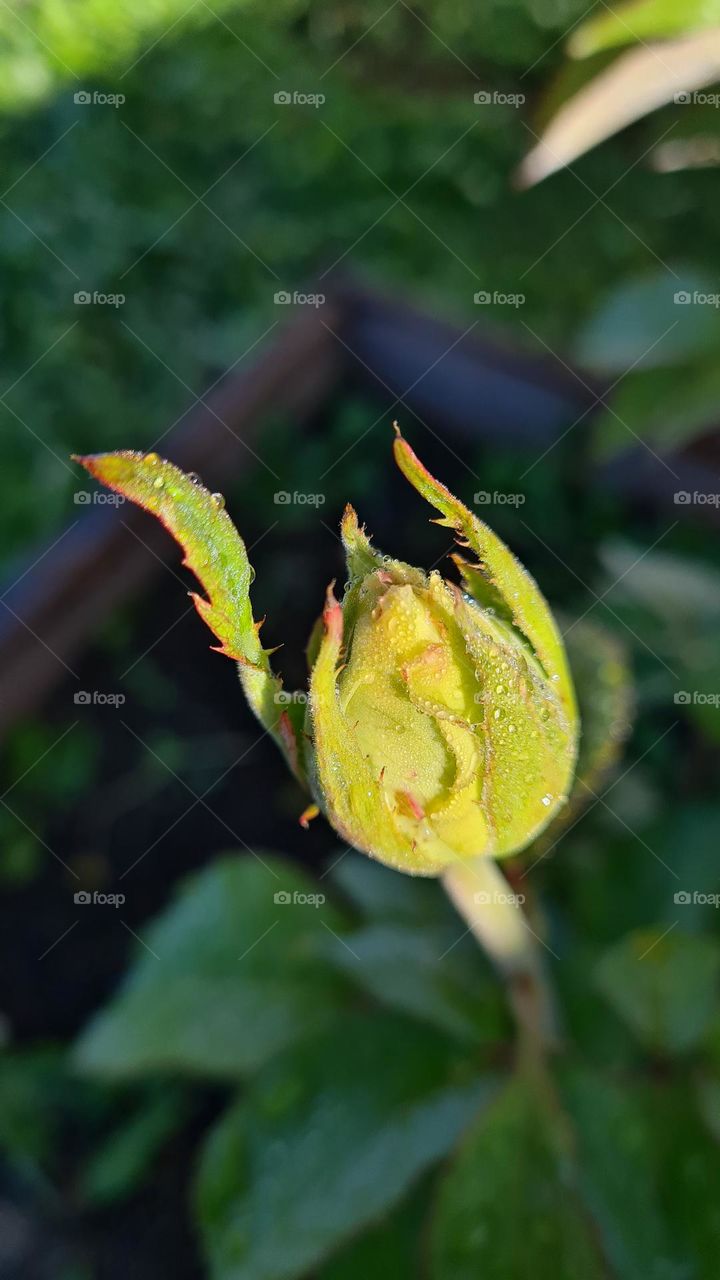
{"x":217,"y":500}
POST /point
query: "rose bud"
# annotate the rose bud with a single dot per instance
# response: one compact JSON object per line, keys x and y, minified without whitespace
{"x":441,"y":723}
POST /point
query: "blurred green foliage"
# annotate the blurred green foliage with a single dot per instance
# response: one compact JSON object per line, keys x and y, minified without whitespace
{"x":199,"y":196}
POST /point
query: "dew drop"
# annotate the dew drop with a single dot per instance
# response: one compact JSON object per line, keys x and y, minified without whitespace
{"x":497,"y":713}
{"x":193,"y":477}
{"x":217,"y":500}
{"x":158,"y":482}
{"x":151,"y":459}
{"x":546,"y":800}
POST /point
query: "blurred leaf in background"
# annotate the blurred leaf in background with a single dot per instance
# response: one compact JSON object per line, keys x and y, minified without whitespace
{"x":213,"y":993}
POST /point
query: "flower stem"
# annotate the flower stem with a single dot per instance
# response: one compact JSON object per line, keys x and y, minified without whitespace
{"x":485,"y":900}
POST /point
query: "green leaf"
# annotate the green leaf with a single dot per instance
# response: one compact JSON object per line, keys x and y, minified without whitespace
{"x":216,"y":554}
{"x":689,"y":841}
{"x":393,"y":1248}
{"x":509,"y":1206}
{"x":666,"y":408}
{"x":673,"y":587}
{"x":32,"y":1085}
{"x":672,"y":603}
{"x":379,"y":893}
{"x":663,"y":984}
{"x":708,"y":1102}
{"x":624,"y":330}
{"x":642,"y":20}
{"x":119,"y":1165}
{"x":326,"y":1142}
{"x":615,"y":1141}
{"x":568,"y":1182}
{"x":689,"y":1161}
{"x":227,"y":977}
{"x":421,"y":972}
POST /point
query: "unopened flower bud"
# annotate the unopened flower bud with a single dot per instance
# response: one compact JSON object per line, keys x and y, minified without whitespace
{"x":441,"y":723}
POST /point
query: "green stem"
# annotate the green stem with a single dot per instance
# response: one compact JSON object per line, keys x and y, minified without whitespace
{"x":487,"y":903}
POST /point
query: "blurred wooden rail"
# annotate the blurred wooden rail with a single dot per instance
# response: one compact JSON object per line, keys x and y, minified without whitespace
{"x":465,"y":384}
